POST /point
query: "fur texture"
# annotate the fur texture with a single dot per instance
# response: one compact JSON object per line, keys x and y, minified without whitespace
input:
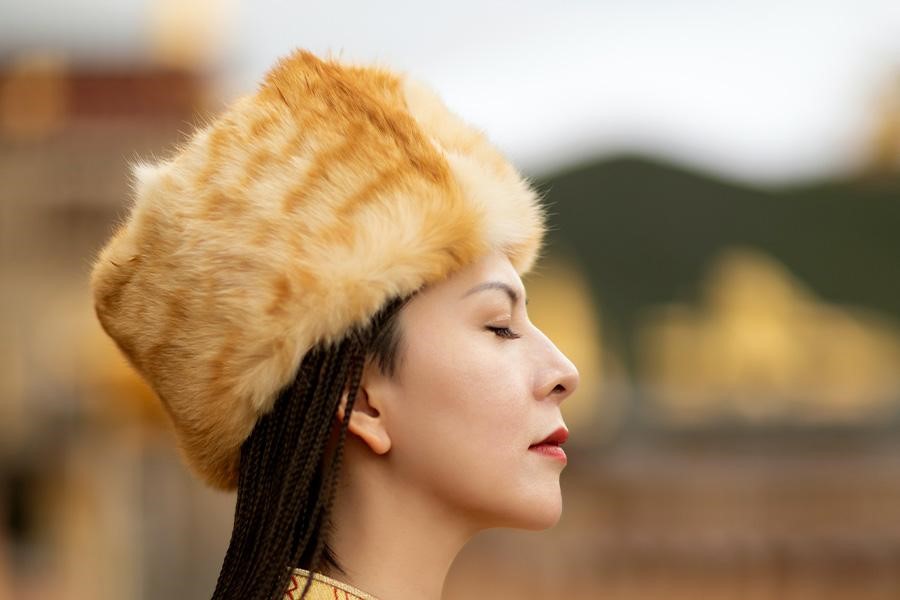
{"x":289,"y":219}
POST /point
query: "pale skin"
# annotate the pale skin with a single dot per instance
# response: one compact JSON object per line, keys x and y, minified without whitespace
{"x":440,"y":451}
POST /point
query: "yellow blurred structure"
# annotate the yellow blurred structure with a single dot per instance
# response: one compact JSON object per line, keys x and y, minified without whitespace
{"x":761,"y":347}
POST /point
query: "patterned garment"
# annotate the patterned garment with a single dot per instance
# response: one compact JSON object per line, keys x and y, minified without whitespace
{"x":323,"y":588}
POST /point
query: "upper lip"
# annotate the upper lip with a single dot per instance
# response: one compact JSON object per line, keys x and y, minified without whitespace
{"x":559,"y":437}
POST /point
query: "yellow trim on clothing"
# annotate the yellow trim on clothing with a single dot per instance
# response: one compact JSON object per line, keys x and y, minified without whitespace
{"x":323,"y":588}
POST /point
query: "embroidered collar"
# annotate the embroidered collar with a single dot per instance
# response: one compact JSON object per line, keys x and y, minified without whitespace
{"x":323,"y":588}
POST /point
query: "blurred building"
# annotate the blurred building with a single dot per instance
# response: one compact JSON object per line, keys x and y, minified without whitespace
{"x":92,"y":500}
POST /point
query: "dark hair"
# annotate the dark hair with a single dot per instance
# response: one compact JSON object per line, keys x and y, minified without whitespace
{"x":285,"y":492}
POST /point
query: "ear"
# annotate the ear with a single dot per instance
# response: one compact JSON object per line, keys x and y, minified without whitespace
{"x":366,"y":418}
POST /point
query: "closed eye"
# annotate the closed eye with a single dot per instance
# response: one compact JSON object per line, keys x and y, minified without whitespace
{"x":504,"y":332}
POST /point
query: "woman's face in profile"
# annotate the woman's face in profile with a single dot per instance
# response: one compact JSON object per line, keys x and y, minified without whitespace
{"x":477,"y":385}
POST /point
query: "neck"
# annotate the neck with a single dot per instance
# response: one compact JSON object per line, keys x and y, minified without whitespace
{"x":393,"y":541}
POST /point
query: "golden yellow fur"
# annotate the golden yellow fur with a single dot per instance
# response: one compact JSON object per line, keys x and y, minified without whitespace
{"x":294,"y":215}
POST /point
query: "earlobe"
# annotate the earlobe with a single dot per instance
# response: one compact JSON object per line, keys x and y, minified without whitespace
{"x":366,"y":422}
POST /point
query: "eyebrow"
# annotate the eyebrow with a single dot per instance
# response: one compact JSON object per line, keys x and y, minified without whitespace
{"x":496,"y":285}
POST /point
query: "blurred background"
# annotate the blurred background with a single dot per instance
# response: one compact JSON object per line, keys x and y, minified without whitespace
{"x":724,"y":269}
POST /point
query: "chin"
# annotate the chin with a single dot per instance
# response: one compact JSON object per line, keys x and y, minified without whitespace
{"x":539,"y":513}
{"x":547,"y":518}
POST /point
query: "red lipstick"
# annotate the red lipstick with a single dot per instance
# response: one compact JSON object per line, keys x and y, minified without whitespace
{"x":551,"y":445}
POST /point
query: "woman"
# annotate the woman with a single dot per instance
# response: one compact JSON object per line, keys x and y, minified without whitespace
{"x":323,"y":286}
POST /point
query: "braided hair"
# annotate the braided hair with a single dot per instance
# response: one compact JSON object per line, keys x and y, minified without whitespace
{"x":285,"y":492}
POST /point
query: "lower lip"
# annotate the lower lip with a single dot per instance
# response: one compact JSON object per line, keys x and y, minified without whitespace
{"x":550,"y":450}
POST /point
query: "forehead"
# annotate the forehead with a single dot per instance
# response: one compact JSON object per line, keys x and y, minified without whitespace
{"x":493,"y":267}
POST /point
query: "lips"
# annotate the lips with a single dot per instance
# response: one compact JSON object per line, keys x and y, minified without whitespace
{"x":550,"y":446}
{"x":556,"y":438}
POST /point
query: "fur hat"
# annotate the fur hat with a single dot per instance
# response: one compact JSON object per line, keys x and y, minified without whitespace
{"x":290,"y":218}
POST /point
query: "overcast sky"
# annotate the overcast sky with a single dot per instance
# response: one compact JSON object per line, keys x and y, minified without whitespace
{"x":761,"y":90}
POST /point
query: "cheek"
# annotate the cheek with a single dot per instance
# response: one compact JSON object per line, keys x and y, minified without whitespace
{"x":465,"y":426}
{"x":467,"y":392}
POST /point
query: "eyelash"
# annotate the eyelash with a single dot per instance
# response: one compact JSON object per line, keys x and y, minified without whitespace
{"x":504,"y":332}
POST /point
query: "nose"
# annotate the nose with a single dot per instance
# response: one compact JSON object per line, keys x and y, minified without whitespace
{"x":566,"y":382}
{"x":563,"y":376}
